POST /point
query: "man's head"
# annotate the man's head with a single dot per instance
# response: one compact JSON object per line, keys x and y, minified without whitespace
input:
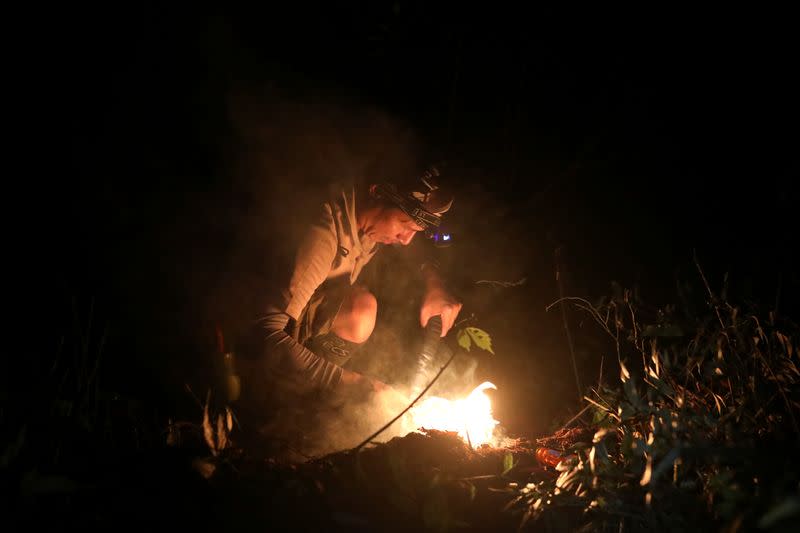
{"x":398,"y":211}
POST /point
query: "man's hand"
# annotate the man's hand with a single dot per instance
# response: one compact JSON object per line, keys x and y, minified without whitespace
{"x":379,"y":386}
{"x":359,"y":387}
{"x":440,"y":302}
{"x":390,"y":400}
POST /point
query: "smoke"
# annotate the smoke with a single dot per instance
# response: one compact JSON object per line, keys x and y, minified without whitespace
{"x":233,"y":240}
{"x":332,"y":429}
{"x":351,"y":424}
{"x":348,"y":425}
{"x":286,"y":144}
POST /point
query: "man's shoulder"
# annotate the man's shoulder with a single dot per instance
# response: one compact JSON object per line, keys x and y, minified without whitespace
{"x":342,"y":198}
{"x":341,"y":190}
{"x":330,"y":193}
{"x":324,"y":205}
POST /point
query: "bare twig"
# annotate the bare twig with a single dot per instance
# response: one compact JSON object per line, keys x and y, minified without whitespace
{"x":601,"y":399}
{"x":495,"y":283}
{"x":404,"y":411}
{"x":710,"y":293}
{"x":600,"y":376}
{"x":589,"y":308}
{"x":607,"y":410}
{"x":586,"y":408}
{"x":196,"y":399}
{"x":633,"y":323}
{"x":781,"y":391}
{"x":616,"y":337}
{"x":566,"y":324}
{"x":466,"y":319}
{"x":574,"y":418}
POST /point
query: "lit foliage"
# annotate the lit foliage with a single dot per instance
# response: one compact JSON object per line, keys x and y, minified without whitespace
{"x":700,"y":431}
{"x":470,"y":335}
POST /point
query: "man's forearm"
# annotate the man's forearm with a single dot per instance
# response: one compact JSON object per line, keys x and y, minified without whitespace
{"x":432,"y":277}
{"x":293,"y":361}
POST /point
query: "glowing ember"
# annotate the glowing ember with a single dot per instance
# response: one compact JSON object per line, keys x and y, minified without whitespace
{"x":471,"y":417}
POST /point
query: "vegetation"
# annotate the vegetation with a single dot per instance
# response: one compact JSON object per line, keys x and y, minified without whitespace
{"x":698,"y":430}
{"x":701,"y":431}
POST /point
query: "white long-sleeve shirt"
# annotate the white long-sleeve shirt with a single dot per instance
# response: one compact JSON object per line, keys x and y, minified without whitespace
{"x":330,"y":248}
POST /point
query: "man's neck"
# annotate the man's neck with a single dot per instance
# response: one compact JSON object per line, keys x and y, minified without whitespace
{"x":364,"y":213}
{"x":365,"y":219}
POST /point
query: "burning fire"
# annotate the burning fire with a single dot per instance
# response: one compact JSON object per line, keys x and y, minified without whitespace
{"x":471,"y":417}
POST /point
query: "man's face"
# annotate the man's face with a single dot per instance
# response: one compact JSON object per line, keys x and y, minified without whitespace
{"x":393,"y":226}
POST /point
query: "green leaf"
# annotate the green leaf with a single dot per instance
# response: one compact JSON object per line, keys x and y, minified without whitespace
{"x":665,"y":464}
{"x":624,"y":375}
{"x":480,"y":338}
{"x":435,"y":510}
{"x":472,"y":492}
{"x":13,"y":449}
{"x":508,"y":463}
{"x":787,"y":508}
{"x":401,"y":474}
{"x":204,"y":467}
{"x":35,"y":483}
{"x":464,"y":339}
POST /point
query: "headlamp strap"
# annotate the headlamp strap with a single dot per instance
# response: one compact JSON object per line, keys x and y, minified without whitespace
{"x":412,"y":208}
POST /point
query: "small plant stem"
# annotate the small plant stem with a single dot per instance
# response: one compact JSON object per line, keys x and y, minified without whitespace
{"x":421,"y":394}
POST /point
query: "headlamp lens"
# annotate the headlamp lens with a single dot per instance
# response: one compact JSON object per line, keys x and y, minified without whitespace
{"x":440,"y":238}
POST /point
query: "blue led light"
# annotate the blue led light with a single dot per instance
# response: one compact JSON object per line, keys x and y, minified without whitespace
{"x":441,"y":238}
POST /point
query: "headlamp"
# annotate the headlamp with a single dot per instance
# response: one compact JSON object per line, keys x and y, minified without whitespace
{"x":440,"y":236}
{"x":413,"y":208}
{"x":423,"y":201}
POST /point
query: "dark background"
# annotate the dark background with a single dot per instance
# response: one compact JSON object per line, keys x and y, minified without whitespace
{"x":168,"y":143}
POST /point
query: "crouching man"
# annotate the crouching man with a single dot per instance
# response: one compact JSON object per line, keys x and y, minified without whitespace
{"x":291,"y":364}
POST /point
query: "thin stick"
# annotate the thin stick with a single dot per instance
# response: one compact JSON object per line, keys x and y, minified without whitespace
{"x":495,"y":283}
{"x":421,"y":394}
{"x":600,"y":377}
{"x":574,"y":418}
{"x":782,"y":393}
{"x":588,"y":308}
{"x":566,"y":324}
{"x":712,"y":298}
{"x":586,"y":408}
{"x":607,"y":410}
{"x":196,"y":399}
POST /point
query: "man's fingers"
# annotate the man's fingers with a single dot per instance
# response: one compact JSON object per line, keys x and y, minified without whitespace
{"x":446,"y":328}
{"x":448,"y":317}
{"x":379,"y":386}
{"x":424,"y":316}
{"x":449,"y":313}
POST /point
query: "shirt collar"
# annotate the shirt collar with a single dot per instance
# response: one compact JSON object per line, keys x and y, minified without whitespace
{"x":363,"y":243}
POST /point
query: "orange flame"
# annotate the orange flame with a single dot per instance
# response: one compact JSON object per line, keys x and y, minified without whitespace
{"x":471,"y":417}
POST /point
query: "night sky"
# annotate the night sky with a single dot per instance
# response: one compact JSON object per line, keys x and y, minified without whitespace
{"x":626,"y":140}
